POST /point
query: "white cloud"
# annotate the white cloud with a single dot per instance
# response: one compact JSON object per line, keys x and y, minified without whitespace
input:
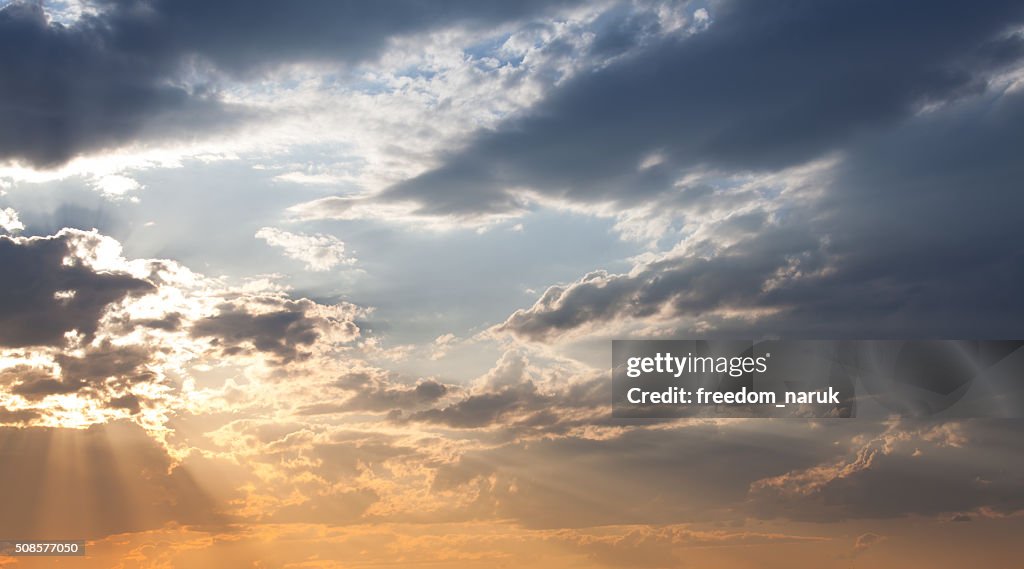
{"x":9,"y":221}
{"x":137,"y":328}
{"x":116,"y":185}
{"x":319,"y":252}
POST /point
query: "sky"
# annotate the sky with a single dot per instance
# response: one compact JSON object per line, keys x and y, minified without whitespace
{"x":334,"y":284}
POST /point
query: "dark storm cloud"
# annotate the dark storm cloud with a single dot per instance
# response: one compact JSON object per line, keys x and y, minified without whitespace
{"x":512,"y":396}
{"x":32,"y":383}
{"x":115,"y":77}
{"x":767,"y":85}
{"x":130,"y":403}
{"x":33,"y":311}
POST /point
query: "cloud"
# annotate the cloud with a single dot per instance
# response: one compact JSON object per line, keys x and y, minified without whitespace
{"x":665,"y":546}
{"x":522,"y":399}
{"x":861,"y":248}
{"x":909,"y":469}
{"x":687,"y":472}
{"x":9,"y":221}
{"x":90,"y":95}
{"x":18,"y":417}
{"x":101,"y":368}
{"x":843,"y":213}
{"x":732,"y":282}
{"x":50,"y":290}
{"x":865,"y":541}
{"x":760,"y":89}
{"x":372,"y":390}
{"x":273,"y":33}
{"x":283,"y":327}
{"x":319,"y":252}
{"x":88,"y":336}
{"x":116,"y":185}
{"x":127,"y":72}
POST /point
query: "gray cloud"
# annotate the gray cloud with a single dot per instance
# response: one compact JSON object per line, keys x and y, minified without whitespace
{"x":734,"y":278}
{"x":17,"y":417}
{"x":68,"y":324}
{"x":282,"y":332}
{"x":915,"y":469}
{"x":238,"y":35}
{"x":485,"y":409}
{"x":914,"y":236}
{"x":925,"y":175}
{"x":119,"y":75}
{"x":374,"y":391}
{"x":70,"y":90}
{"x":824,"y":472}
{"x":34,"y":389}
{"x":286,"y":330}
{"x":33,"y":311}
{"x":765,"y":87}
{"x":517,"y":397}
{"x":698,"y":472}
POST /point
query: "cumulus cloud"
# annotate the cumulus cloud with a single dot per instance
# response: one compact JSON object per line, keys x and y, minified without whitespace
{"x":319,"y":252}
{"x":88,"y":336}
{"x":687,"y":290}
{"x":50,"y":289}
{"x":281,"y":332}
{"x":9,"y":221}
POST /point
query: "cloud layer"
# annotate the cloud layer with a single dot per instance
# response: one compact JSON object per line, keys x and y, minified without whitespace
{"x":522,"y":181}
{"x":129,"y":71}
